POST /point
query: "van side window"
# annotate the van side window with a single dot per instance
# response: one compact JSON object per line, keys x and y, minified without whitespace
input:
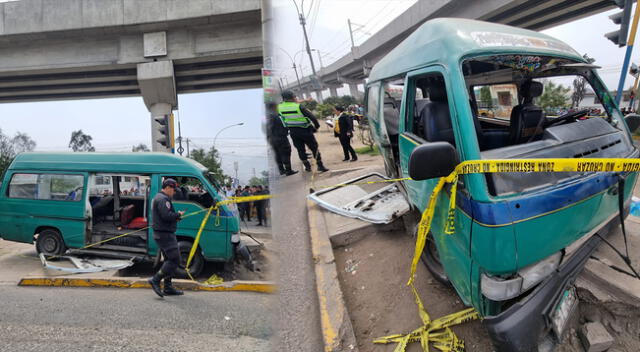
{"x":393,"y":90}
{"x":430,"y":118}
{"x":373,"y":97}
{"x":46,"y":186}
{"x":190,"y":189}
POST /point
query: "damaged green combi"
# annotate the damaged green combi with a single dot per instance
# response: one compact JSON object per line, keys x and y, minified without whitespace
{"x":458,"y":90}
{"x":71,"y":201}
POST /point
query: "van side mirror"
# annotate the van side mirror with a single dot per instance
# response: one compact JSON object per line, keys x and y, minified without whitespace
{"x":432,"y":160}
{"x":633,"y":122}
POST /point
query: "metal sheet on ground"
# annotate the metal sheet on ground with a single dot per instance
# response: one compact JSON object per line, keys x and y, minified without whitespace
{"x":368,"y":197}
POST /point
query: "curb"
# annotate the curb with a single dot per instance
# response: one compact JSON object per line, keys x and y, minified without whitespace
{"x":244,"y":286}
{"x":337,"y":331}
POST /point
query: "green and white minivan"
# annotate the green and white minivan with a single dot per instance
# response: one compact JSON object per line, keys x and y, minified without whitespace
{"x":458,"y":90}
{"x":66,"y":201}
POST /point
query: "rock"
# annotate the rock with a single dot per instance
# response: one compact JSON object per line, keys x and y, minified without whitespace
{"x":595,"y":338}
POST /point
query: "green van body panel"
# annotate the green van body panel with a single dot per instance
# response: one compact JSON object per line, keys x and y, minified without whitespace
{"x":21,"y":219}
{"x":440,"y":46}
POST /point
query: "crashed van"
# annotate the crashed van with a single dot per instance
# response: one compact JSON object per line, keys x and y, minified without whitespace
{"x":458,"y":90}
{"x":83,"y":202}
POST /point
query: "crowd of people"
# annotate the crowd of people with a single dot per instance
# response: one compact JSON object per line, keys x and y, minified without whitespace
{"x":290,"y":119}
{"x":257,"y":209}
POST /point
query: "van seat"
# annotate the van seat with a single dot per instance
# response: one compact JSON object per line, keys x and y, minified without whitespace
{"x":435,"y":116}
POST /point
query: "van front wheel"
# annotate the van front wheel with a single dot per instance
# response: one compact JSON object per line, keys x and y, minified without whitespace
{"x":50,"y":243}
{"x":431,"y":259}
{"x":197,"y":262}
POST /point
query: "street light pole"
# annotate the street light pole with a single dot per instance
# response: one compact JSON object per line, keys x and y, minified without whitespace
{"x":217,"y":134}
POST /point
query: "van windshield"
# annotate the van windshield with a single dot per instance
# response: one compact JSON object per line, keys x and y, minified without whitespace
{"x":210,"y":176}
{"x":528,"y":106}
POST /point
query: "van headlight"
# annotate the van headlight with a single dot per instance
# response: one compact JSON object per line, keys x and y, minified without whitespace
{"x":500,"y":289}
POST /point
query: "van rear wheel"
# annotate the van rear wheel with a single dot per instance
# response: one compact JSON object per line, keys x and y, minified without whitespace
{"x":50,"y":243}
{"x":197,"y":262}
{"x":431,"y":259}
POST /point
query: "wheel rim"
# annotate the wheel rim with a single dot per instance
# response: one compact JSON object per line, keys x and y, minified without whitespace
{"x":49,"y":244}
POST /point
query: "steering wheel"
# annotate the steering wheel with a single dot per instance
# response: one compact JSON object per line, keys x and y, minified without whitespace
{"x":572,"y":115}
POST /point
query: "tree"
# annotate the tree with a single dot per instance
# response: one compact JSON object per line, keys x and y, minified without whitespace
{"x":263,"y":180}
{"x":211,"y":160}
{"x":553,"y":96}
{"x":309,"y":104}
{"x":485,"y":97}
{"x":579,"y":86}
{"x":140,"y":148}
{"x":10,"y":147}
{"x":324,"y":110}
{"x":81,"y":142}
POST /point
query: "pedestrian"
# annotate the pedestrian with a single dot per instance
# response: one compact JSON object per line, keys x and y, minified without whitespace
{"x":165,"y":220}
{"x":345,"y":123}
{"x":302,"y":124}
{"x":245,"y":207}
{"x":260,"y":207}
{"x":277,"y":136}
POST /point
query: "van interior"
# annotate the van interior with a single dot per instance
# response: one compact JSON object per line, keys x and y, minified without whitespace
{"x":120,"y":204}
{"x":512,"y":115}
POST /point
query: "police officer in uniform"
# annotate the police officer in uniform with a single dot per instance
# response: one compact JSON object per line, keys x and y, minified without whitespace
{"x":277,"y":136}
{"x":165,"y":219}
{"x":301,"y":124}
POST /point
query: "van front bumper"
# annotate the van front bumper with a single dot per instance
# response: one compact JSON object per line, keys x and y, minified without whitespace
{"x":519,"y":328}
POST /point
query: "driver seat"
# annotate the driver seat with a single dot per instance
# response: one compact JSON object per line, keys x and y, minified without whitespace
{"x":527,"y":118}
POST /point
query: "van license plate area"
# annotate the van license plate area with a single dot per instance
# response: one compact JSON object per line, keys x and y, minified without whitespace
{"x":564,"y":310}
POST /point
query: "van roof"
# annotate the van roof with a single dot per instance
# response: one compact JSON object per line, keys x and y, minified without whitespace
{"x":450,"y":39}
{"x":107,"y":162}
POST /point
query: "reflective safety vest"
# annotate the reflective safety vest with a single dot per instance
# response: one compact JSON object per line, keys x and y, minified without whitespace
{"x":292,"y":116}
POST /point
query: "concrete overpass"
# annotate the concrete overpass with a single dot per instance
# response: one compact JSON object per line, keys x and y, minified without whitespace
{"x":354,"y":67}
{"x":76,"y":49}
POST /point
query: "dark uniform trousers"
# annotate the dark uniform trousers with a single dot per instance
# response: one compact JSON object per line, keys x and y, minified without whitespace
{"x":302,"y":137}
{"x":282,"y":151}
{"x":168,"y":244}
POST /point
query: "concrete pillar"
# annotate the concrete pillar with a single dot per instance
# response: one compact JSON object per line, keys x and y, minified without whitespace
{"x":333,"y":91}
{"x":353,"y":90}
{"x":319,"y":96}
{"x":158,"y":89}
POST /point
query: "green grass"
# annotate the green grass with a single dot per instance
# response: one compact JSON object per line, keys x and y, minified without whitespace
{"x":368,"y":151}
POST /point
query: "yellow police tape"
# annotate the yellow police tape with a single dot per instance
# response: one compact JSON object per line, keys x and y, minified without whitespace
{"x":437,"y":331}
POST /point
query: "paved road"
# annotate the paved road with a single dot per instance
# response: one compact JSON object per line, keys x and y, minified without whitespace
{"x":78,"y":319}
{"x":297,"y":317}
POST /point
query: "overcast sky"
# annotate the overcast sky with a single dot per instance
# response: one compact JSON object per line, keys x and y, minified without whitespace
{"x":329,"y":33}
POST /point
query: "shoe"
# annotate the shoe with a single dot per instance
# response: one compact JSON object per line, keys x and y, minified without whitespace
{"x":321,"y":168}
{"x":169,"y":290}
{"x":307,"y":165}
{"x":155,"y":284}
{"x":345,"y":159}
{"x":259,"y":224}
{"x":291,"y":172}
{"x":354,"y":159}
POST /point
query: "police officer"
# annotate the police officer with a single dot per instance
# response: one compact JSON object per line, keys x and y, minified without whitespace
{"x":165,"y":219}
{"x":277,"y":136}
{"x":301,"y":124}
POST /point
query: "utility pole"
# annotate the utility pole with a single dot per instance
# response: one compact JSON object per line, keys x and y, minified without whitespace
{"x":303,"y":23}
{"x":180,"y":149}
{"x":188,"y":154}
{"x":351,"y":33}
{"x":297,"y":77}
{"x":319,"y":58}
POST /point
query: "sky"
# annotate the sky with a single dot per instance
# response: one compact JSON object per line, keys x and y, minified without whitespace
{"x":329,"y":33}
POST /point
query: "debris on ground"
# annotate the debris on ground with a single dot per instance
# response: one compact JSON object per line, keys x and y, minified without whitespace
{"x":87,"y":265}
{"x":595,"y":337}
{"x":351,"y":266}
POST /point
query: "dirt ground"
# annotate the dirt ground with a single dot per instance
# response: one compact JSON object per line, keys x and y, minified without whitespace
{"x":373,"y":273}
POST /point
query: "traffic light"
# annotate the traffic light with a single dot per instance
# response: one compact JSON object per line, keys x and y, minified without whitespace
{"x":622,"y":18}
{"x":165,"y":130}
